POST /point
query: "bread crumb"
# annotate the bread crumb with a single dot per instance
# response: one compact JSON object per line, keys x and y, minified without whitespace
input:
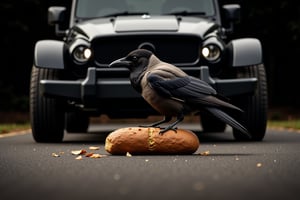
{"x":55,"y":155}
{"x":96,"y":155}
{"x":258,"y":165}
{"x":89,"y":154}
{"x":205,"y":153}
{"x":94,"y":148}
{"x":128,"y":154}
{"x":78,"y":158}
{"x":78,"y":152}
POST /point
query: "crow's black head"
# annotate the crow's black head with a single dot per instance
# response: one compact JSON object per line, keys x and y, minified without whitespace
{"x":137,"y":62}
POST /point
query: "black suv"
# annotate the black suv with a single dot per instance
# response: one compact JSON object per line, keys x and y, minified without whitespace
{"x":71,"y":81}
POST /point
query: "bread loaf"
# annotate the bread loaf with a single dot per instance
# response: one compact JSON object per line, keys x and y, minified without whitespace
{"x":138,"y":140}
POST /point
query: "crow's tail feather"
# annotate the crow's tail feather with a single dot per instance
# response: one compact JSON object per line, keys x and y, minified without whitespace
{"x":228,"y":120}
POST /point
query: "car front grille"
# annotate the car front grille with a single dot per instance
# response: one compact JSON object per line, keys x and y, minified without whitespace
{"x":180,"y":50}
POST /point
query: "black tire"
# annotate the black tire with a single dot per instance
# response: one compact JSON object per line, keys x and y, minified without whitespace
{"x":255,"y":106}
{"x":211,"y":124}
{"x":47,"y":114}
{"x":77,"y":122}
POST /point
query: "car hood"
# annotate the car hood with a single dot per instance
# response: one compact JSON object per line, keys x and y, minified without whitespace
{"x":156,"y":24}
{"x":146,"y":23}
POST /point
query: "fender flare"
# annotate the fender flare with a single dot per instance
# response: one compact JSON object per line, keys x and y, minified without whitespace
{"x":49,"y":54}
{"x":245,"y":52}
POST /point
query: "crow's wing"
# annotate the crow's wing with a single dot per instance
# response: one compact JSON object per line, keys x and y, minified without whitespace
{"x":189,"y":89}
{"x":180,"y":86}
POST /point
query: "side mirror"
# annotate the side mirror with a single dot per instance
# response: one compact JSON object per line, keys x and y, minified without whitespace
{"x":232,"y":14}
{"x":56,"y":17}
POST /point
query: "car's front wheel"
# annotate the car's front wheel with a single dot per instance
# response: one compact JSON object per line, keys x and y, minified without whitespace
{"x":47,"y":114}
{"x":254,"y":105}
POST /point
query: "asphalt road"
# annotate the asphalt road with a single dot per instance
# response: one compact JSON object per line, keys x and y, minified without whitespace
{"x":232,"y":170}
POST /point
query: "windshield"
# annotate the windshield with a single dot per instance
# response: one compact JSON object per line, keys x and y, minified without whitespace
{"x":104,"y":8}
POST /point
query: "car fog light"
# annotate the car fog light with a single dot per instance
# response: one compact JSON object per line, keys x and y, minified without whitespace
{"x":211,"y":52}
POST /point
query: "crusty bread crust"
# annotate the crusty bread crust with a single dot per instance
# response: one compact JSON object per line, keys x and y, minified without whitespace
{"x":139,"y":140}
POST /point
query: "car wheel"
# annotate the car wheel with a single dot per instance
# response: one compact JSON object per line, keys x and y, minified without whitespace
{"x":47,"y":114}
{"x":254,"y":105}
{"x":77,"y":122}
{"x":211,"y":124}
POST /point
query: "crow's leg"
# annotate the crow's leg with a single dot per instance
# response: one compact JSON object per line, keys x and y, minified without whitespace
{"x":180,"y":117}
{"x":156,"y":124}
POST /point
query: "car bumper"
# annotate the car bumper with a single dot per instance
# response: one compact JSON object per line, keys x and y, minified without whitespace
{"x":93,"y":89}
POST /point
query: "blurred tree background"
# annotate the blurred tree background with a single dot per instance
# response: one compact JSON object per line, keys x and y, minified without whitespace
{"x":276,"y":23}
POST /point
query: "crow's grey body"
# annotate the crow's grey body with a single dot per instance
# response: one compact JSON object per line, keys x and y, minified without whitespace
{"x":172,"y":92}
{"x":163,"y":104}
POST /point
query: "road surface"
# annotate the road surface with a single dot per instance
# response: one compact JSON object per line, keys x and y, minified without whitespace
{"x":231,"y":170}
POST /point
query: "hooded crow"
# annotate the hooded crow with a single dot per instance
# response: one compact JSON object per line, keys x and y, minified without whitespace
{"x":172,"y":92}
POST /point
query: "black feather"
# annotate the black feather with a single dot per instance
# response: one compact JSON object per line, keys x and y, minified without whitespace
{"x":228,"y":120}
{"x":194,"y":91}
{"x":154,"y":82}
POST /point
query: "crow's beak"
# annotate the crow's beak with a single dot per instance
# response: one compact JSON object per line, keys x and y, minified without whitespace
{"x":122,"y":62}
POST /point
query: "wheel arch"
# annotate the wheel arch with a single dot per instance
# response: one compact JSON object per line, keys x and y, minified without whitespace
{"x":245,"y":52}
{"x":49,"y":54}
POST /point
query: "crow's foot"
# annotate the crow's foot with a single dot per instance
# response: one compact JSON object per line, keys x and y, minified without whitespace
{"x":162,"y":131}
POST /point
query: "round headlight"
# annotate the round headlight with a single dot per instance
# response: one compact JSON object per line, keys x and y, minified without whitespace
{"x":82,"y":54}
{"x":211,"y":52}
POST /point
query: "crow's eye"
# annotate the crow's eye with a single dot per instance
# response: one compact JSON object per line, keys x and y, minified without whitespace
{"x":134,"y":58}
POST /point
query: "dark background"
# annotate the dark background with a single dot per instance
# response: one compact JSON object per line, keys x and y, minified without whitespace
{"x":276,"y":23}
